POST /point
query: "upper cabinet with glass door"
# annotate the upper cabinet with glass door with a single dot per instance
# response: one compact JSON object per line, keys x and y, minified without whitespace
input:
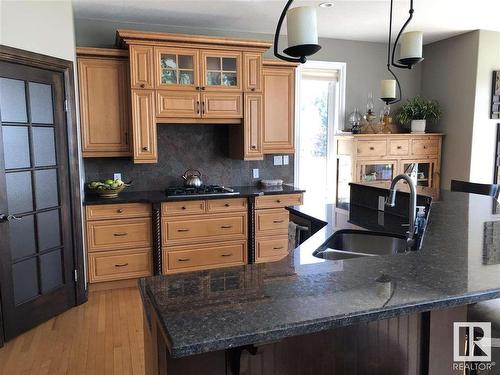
{"x":221,"y":71}
{"x":177,"y":68}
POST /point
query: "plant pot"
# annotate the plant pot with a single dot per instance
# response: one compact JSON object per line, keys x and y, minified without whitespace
{"x":418,"y":126}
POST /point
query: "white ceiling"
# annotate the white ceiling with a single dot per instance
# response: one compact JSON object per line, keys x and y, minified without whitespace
{"x":365,"y":20}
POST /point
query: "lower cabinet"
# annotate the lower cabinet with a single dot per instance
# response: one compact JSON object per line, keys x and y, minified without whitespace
{"x":119,"y":241}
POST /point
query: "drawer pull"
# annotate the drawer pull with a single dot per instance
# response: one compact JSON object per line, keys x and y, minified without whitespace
{"x":278,"y":248}
{"x":372,"y":148}
{"x":227,"y":255}
{"x":425,"y":147}
{"x":183,"y":207}
{"x":120,"y":210}
{"x":226,"y":226}
{"x":121,"y":265}
{"x":120,"y":234}
{"x":183,"y":260}
{"x":278,"y":221}
{"x":399,"y":147}
{"x":226,"y":205}
{"x":278,"y":201}
{"x":182,"y":230}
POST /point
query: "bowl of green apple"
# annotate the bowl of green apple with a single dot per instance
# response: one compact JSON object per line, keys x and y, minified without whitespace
{"x":107,"y":188}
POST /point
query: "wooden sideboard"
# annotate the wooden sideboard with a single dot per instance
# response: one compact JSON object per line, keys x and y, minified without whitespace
{"x":375,"y":159}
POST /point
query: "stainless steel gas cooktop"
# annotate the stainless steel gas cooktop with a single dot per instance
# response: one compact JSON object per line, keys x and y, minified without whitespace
{"x":201,"y":191}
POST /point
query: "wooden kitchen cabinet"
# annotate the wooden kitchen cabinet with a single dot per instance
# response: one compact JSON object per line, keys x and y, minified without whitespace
{"x":220,"y":105}
{"x":221,"y":70}
{"x":104,"y":93}
{"x":144,"y":127}
{"x":279,"y":107}
{"x":252,"y":72}
{"x":177,"y":68}
{"x":141,"y":67}
{"x":178,"y":104}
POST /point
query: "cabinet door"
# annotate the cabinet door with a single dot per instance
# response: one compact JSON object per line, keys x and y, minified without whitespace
{"x":104,"y":106}
{"x":221,"y":105}
{"x":279,"y":111}
{"x":252,"y":72}
{"x":144,"y":127}
{"x":376,"y":172}
{"x":141,"y":67}
{"x":178,"y":104}
{"x":427,"y":174}
{"x":253,"y":122}
{"x":221,"y":71}
{"x":177,"y":68}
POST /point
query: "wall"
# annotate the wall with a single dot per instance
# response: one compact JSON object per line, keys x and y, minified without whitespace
{"x":204,"y":147}
{"x":449,"y":76}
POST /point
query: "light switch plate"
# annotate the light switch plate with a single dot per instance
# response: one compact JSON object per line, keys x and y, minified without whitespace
{"x":286,"y":159}
{"x":278,"y":160}
{"x":256,"y":173}
{"x":117,"y":176}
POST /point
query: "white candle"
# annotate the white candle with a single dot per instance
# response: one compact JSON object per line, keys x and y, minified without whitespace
{"x":411,"y":45}
{"x":388,"y":89}
{"x":301,"y":26}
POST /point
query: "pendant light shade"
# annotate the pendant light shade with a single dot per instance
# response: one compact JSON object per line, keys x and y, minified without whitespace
{"x":302,"y":32}
{"x":388,"y":90}
{"x":411,"y":48}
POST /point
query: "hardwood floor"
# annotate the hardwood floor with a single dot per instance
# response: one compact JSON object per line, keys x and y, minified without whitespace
{"x":102,"y":336}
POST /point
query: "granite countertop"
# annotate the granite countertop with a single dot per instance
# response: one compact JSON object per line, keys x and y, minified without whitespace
{"x":160,"y":196}
{"x":459,"y":263}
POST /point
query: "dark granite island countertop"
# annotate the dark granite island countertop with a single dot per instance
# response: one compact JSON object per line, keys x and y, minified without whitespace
{"x":458,"y":264}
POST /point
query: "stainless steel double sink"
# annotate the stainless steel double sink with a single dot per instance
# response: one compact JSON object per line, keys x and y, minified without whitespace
{"x":349,"y":244}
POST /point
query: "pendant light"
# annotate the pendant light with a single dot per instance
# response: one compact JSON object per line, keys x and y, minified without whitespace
{"x":410,"y":55}
{"x":302,"y":33}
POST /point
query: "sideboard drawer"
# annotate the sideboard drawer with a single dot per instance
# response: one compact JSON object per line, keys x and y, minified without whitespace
{"x":425,"y":147}
{"x":204,"y":228}
{"x":118,"y":234}
{"x":117,"y":211}
{"x":183,"y":208}
{"x":278,"y":200}
{"x":195,"y":257}
{"x":118,"y":265}
{"x":272,"y":221}
{"x":371,"y":148}
{"x":269,"y":249}
{"x":226,"y":205}
{"x":399,"y":147}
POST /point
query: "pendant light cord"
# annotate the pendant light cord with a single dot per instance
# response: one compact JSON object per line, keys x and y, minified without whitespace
{"x":399,"y":35}
{"x":277,"y":36}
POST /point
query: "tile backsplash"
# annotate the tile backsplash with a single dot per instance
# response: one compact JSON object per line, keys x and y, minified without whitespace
{"x":203,"y":147}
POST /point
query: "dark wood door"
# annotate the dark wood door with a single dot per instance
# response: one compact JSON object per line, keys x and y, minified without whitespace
{"x":36,"y":249}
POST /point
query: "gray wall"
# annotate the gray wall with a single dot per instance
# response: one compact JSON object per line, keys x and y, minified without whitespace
{"x":449,"y":75}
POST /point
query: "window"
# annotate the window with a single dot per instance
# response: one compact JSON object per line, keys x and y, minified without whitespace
{"x":321,"y":95}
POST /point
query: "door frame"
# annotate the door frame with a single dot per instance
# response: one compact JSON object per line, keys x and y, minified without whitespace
{"x":36,"y":60}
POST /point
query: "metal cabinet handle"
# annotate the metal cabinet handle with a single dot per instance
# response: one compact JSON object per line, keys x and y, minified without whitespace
{"x":278,"y":221}
{"x":4,"y":218}
{"x":226,"y":205}
{"x":145,"y":148}
{"x":372,"y":148}
{"x":399,"y":147}
{"x":183,"y":207}
{"x":425,"y":147}
{"x":252,"y":89}
{"x":278,"y":201}
{"x":278,"y":248}
{"x":254,"y":147}
{"x":203,"y":108}
{"x":197,"y":87}
{"x":203,"y":88}
{"x":226,"y":226}
{"x":183,"y":260}
{"x":198,"y":107}
{"x":121,"y":234}
{"x":142,"y":85}
{"x":121,"y":265}
{"x":120,"y":210}
{"x":226,"y":255}
{"x":182,"y":230}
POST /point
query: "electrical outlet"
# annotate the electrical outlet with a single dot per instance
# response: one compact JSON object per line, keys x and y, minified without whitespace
{"x":285,"y":159}
{"x":256,"y":173}
{"x":117,"y":176}
{"x":278,"y":160}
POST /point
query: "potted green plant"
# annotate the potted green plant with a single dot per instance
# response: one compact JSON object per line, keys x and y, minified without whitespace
{"x":416,"y":111}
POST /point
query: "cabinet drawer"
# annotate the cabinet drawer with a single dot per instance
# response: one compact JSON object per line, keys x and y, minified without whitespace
{"x":424,"y":146}
{"x":118,"y":265}
{"x":117,"y":211}
{"x":278,"y":200}
{"x":227,"y":205}
{"x":121,"y":234}
{"x":204,"y":228}
{"x":183,"y":208}
{"x":269,"y":249}
{"x":191,"y":258}
{"x":371,"y":148}
{"x":273,"y":221}
{"x":399,"y":147}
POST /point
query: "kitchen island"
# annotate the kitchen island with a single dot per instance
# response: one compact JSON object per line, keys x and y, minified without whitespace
{"x":308,"y":313}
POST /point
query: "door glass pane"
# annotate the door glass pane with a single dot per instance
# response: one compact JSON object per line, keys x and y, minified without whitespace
{"x":51,"y":270}
{"x":185,"y":62}
{"x":44,"y":149}
{"x":213,"y":63}
{"x":22,"y":237}
{"x":25,"y":279}
{"x":19,"y":192}
{"x":229,"y":64}
{"x":48,"y":230}
{"x":229,"y":79}
{"x":13,"y":100}
{"x":41,"y":103}
{"x":169,"y":77}
{"x":46,"y":191}
{"x":213,"y":79}
{"x":376,"y":172}
{"x":16,"y":147}
{"x":186,"y":77}
{"x":168,"y":61}
{"x":424,"y":174}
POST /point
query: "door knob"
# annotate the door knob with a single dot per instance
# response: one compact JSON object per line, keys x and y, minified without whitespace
{"x":4,"y":218}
